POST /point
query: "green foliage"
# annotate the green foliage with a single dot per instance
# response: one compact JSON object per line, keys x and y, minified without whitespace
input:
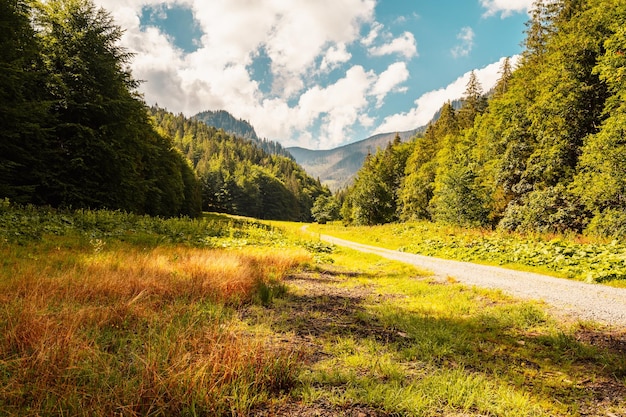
{"x":237,"y":176}
{"x":83,"y":138}
{"x":546,"y":153}
{"x":553,"y":210}
{"x":373,"y":198}
{"x":24,"y":115}
{"x":418,"y":185}
{"x":24,"y":224}
{"x":456,"y":200}
{"x":585,"y":260}
{"x":325,"y":209}
{"x":601,"y":180}
{"x":610,"y":223}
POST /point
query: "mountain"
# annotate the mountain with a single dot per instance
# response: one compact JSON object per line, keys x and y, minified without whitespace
{"x":236,"y":175}
{"x":221,"y":119}
{"x":336,"y":167}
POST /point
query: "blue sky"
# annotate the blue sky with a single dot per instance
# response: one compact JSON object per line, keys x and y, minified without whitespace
{"x":317,"y":73}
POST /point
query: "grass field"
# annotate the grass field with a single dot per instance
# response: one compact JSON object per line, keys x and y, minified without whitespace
{"x":113,"y":314}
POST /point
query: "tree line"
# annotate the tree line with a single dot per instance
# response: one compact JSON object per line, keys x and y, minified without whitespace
{"x":237,"y":176}
{"x":545,"y":152}
{"x":74,"y":132}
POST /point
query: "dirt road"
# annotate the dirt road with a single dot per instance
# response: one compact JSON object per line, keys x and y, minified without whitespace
{"x":573,"y":298}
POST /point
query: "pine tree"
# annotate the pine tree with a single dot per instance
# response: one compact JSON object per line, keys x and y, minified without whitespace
{"x":474,"y":102}
{"x":506,"y":72}
{"x":24,"y":119}
{"x":417,"y":186}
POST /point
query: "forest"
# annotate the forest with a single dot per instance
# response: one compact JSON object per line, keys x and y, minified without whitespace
{"x":77,"y":134}
{"x":544,"y":151}
{"x":236,"y":175}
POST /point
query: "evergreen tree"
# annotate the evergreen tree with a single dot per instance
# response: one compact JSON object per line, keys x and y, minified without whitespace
{"x":74,"y":132}
{"x":373,"y":197}
{"x":325,"y":209}
{"x":506,"y":72}
{"x":418,"y":184}
{"x":601,"y":181}
{"x":474,"y":102}
{"x":24,"y":118}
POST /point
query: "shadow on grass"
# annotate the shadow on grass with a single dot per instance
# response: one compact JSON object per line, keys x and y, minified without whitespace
{"x":508,"y":343}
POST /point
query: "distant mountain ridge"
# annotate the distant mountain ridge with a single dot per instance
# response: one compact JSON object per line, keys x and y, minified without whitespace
{"x":336,"y":167}
{"x":221,"y":119}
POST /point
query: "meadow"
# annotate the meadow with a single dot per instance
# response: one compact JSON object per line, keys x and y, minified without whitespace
{"x":107,"y":313}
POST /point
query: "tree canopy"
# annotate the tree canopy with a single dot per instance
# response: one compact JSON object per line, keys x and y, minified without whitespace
{"x":237,"y":176}
{"x":75,"y":133}
{"x":543,"y":151}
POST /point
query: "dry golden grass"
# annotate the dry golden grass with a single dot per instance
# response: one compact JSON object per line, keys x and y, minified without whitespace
{"x":137,"y":332}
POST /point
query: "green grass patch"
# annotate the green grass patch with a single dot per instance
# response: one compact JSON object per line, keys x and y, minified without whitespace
{"x":108,"y":313}
{"x":389,"y":338}
{"x":105,"y":313}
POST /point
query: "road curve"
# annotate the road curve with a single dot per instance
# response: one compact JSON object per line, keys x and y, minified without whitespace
{"x":577,"y":299}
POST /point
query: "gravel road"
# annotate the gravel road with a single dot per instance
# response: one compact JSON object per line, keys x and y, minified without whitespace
{"x":573,"y":298}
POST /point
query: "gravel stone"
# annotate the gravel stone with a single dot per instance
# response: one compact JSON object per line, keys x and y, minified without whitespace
{"x":575,"y":299}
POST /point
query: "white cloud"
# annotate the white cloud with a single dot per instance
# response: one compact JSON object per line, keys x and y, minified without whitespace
{"x":390,"y":80}
{"x":405,"y":45}
{"x":429,"y":103}
{"x":336,"y":54}
{"x":466,"y":36}
{"x":372,"y":35}
{"x":299,"y":38}
{"x":339,"y":105}
{"x":506,"y":7}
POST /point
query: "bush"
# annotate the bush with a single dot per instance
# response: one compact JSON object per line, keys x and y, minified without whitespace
{"x":552,"y":210}
{"x":609,"y":223}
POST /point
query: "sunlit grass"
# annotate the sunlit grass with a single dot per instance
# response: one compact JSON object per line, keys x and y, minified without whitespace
{"x":570,"y":256}
{"x":428,"y":347}
{"x":100,"y":319}
{"x":96,"y":326}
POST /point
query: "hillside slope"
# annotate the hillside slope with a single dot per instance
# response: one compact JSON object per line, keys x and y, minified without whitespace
{"x":236,"y":175}
{"x":336,"y":167}
{"x":221,"y":119}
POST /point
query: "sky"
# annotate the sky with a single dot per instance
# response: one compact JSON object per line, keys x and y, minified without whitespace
{"x":317,"y":73}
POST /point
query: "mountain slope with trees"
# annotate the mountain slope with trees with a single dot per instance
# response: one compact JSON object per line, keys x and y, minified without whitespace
{"x":545,"y":153}
{"x":337,"y":167}
{"x":74,"y":131}
{"x":222,"y":119}
{"x":237,"y":176}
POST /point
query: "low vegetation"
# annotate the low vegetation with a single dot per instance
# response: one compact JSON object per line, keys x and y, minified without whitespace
{"x":385,"y":339}
{"x":581,"y":258}
{"x":108,"y":313}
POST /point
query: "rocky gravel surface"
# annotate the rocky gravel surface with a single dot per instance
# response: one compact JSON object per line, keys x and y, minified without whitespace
{"x":575,"y":299}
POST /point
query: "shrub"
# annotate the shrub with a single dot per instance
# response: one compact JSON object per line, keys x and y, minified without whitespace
{"x":609,"y":223}
{"x":552,"y":210}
